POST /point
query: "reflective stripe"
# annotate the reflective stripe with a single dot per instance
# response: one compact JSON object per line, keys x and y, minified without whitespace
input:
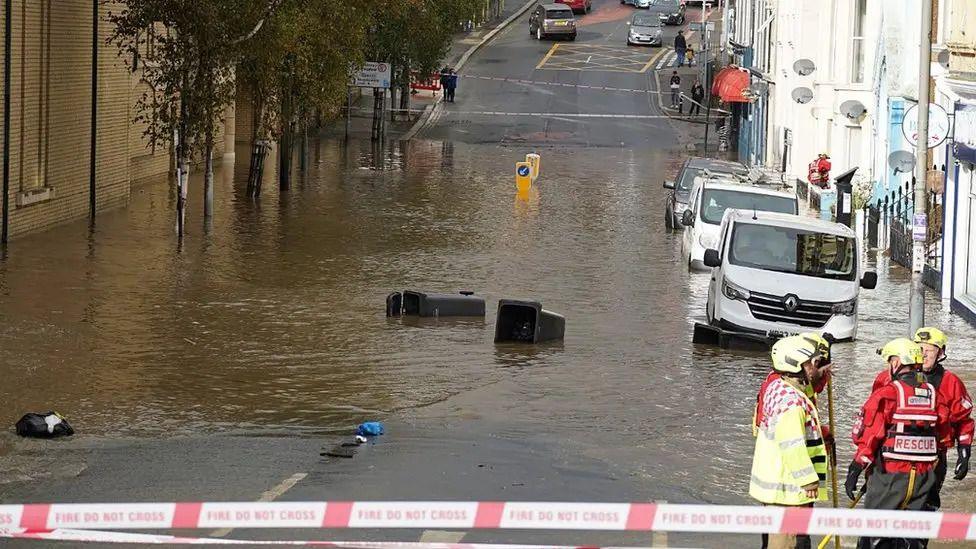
{"x":909,"y":457}
{"x":775,"y":486}
{"x":787,"y":444}
{"x":916,"y":417}
{"x":805,"y":472}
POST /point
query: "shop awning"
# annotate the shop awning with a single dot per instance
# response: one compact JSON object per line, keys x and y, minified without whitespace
{"x":729,"y":84}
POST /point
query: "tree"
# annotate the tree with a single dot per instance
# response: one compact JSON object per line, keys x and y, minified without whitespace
{"x":190,"y":49}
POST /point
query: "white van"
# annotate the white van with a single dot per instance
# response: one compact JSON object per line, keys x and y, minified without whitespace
{"x":709,"y":200}
{"x":777,"y":274}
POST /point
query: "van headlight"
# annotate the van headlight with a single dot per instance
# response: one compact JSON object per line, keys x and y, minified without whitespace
{"x":734,"y":291}
{"x":846,"y":308}
{"x":708,"y":241}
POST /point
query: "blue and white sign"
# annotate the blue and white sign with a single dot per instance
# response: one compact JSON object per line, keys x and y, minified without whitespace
{"x":372,"y":75}
{"x":964,"y":141}
{"x":524,"y":171}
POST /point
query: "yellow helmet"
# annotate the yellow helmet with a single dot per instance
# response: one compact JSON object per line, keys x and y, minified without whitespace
{"x":907,"y":350}
{"x":933,"y":336}
{"x":820,"y":343}
{"x":791,"y":352}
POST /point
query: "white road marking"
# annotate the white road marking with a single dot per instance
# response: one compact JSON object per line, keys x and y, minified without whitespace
{"x":561,"y":84}
{"x":270,"y":495}
{"x":588,"y":58}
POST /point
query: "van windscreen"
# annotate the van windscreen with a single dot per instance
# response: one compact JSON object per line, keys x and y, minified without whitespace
{"x":795,"y":251}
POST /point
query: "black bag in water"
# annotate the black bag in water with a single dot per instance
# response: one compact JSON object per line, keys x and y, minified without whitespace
{"x":46,"y":425}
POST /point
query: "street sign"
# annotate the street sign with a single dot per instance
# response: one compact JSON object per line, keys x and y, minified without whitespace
{"x":372,"y":75}
{"x":523,"y":176}
{"x":697,"y":26}
{"x":939,"y":125}
{"x":920,"y":227}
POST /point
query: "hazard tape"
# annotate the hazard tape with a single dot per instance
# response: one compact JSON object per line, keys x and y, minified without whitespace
{"x":492,"y":515}
{"x":155,"y":539}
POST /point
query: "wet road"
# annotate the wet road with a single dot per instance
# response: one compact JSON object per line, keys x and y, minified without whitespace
{"x":216,"y":370}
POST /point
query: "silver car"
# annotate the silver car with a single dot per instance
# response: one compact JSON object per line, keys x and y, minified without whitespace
{"x":638,"y":3}
{"x":645,"y":29}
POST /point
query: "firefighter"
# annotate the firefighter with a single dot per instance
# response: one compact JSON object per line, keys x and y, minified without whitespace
{"x":789,"y":465}
{"x":897,"y":439}
{"x":958,"y":430}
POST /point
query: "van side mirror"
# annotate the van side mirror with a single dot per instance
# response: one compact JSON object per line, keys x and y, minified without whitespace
{"x":712,"y":258}
{"x":688,"y":218}
{"x":669,"y":185}
{"x":869,"y":280}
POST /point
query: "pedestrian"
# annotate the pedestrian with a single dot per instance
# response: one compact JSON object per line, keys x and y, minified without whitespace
{"x":690,"y":55}
{"x":897,"y":439}
{"x":452,"y":82}
{"x":958,"y":430}
{"x":675,"y":89}
{"x":789,"y":465}
{"x":680,"y":46}
{"x":444,"y":74}
{"x":697,"y":96}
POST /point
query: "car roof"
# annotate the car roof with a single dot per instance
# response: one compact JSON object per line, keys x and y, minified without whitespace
{"x":790,"y":220}
{"x":561,"y":7}
{"x":714,"y":164}
{"x":729,"y":185}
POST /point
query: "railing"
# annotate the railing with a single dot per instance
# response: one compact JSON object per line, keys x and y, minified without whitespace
{"x":895,"y":212}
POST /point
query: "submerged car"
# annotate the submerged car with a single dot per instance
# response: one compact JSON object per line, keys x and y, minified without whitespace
{"x":645,"y":29}
{"x":677,"y":200}
{"x":552,"y":20}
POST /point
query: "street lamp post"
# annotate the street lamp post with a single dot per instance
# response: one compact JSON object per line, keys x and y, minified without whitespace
{"x":916,"y":307}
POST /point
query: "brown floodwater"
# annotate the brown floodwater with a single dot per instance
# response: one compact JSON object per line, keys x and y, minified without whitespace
{"x":271,"y":321}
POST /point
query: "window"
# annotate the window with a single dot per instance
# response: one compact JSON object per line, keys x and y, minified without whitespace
{"x":857,"y":40}
{"x":793,"y":251}
{"x":716,"y":201}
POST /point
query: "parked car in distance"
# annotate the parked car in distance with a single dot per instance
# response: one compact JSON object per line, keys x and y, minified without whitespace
{"x":645,"y":29}
{"x":777,"y":274}
{"x":638,"y":3}
{"x":671,"y":12}
{"x":677,"y":200}
{"x":710,"y":199}
{"x":578,"y":6}
{"x":552,"y":20}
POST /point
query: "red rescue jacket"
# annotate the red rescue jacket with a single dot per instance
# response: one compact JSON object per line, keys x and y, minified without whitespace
{"x":876,"y":429}
{"x":952,"y":392}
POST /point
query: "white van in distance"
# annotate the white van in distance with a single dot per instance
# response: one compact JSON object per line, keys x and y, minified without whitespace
{"x":777,"y":274}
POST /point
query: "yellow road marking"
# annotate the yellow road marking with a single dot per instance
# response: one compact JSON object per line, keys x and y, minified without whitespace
{"x":551,"y":52}
{"x":653,"y":59}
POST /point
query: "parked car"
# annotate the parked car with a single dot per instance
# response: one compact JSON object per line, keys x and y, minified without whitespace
{"x":578,"y":6}
{"x":552,"y":20}
{"x":677,"y":200}
{"x":710,"y":199}
{"x":646,"y":29}
{"x":777,"y":274}
{"x":638,"y":3}
{"x":671,"y":12}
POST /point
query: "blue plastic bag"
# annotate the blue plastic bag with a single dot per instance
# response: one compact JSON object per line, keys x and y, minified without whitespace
{"x":370,"y":429}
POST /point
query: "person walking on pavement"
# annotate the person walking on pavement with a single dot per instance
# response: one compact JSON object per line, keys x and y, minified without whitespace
{"x":444,"y":74}
{"x":452,"y":82}
{"x":789,"y":464}
{"x":697,"y":96}
{"x":897,"y":440}
{"x":958,"y":430}
{"x":675,"y":89}
{"x":690,"y":55}
{"x":680,"y":47}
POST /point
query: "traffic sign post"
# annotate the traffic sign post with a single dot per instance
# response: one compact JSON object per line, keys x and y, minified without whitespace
{"x":523,"y":176}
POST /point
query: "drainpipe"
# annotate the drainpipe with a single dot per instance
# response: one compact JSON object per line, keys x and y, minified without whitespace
{"x":94,"y":111}
{"x":6,"y":120}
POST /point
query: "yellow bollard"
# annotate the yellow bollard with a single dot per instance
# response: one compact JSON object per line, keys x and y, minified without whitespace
{"x":523,"y":176}
{"x":535,"y":162}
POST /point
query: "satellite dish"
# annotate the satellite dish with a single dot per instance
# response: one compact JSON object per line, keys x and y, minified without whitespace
{"x":802,"y":95}
{"x":803,"y":67}
{"x":852,"y":109}
{"x":902,"y":161}
{"x":943,"y":58}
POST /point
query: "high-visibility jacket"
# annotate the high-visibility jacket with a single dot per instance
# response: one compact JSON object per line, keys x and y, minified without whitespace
{"x":810,"y":390}
{"x":952,"y":392}
{"x":790,"y":452}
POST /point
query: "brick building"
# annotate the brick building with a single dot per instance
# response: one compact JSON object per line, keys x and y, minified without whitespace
{"x":50,"y":70}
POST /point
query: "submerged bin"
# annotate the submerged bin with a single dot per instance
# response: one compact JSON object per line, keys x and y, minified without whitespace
{"x":527,"y":322}
{"x":412,"y":303}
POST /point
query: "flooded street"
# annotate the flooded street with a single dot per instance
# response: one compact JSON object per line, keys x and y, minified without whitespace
{"x":271,"y":324}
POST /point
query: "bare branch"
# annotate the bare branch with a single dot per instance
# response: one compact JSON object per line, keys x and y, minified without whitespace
{"x":272,"y":6}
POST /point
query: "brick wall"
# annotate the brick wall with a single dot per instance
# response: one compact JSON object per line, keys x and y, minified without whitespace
{"x":50,"y":119}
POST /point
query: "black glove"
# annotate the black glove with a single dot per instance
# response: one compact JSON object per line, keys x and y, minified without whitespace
{"x":853,"y":474}
{"x":962,"y":461}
